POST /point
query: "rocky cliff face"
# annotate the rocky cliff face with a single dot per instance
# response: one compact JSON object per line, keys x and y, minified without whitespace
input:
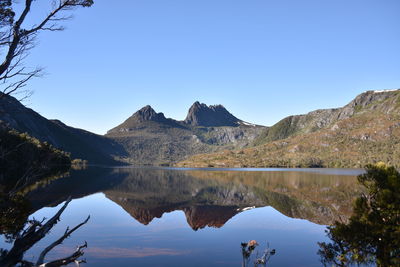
{"x":365,"y":131}
{"x":147,"y":113}
{"x":152,"y":139}
{"x":210,"y":116}
{"x":146,"y":117}
{"x":385,"y":102}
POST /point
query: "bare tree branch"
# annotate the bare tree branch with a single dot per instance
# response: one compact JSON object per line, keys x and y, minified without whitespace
{"x":16,"y":41}
{"x":49,"y":17}
{"x":34,"y":233}
{"x":59,"y":241}
{"x":67,"y":260}
{"x":11,"y":88}
{"x":17,"y":34}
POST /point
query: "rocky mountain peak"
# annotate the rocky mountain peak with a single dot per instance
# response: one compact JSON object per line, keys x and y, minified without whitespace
{"x":197,"y":104}
{"x":369,"y":97}
{"x":147,"y":113}
{"x":370,"y":101}
{"x":216,"y":115}
{"x":144,"y":117}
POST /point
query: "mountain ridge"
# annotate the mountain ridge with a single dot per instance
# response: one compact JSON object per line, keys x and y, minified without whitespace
{"x":315,"y":120}
{"x":80,"y":143}
{"x":364,"y":131}
{"x":200,"y":114}
{"x":149,"y":138}
{"x":144,"y":115}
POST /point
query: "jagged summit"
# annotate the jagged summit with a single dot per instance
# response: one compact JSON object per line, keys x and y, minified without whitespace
{"x":199,"y":115}
{"x":147,"y":113}
{"x":153,"y":139}
{"x":215,"y":115}
{"x":141,"y":117}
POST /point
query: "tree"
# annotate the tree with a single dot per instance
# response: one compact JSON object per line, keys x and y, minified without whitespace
{"x":16,"y":38}
{"x":41,"y":163}
{"x":372,"y":234}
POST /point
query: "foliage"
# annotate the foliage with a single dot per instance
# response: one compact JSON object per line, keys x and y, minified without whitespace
{"x":25,"y":162}
{"x":79,"y":164}
{"x":14,"y":210}
{"x":373,"y":232}
{"x":6,"y":12}
{"x":24,"y":159}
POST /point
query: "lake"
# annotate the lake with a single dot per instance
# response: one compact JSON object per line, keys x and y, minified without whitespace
{"x":193,"y":217}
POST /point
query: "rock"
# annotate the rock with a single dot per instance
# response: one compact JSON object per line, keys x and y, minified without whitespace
{"x":137,"y":120}
{"x":152,"y":139}
{"x":210,"y":116}
{"x":385,"y":102}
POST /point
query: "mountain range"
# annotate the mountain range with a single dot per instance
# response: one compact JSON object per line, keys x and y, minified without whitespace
{"x":364,"y":131}
{"x":367,"y":130}
{"x":150,"y":138}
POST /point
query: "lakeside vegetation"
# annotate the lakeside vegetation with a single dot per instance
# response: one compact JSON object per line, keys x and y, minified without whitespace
{"x":24,"y":159}
{"x":24,"y":162}
{"x":372,"y":235}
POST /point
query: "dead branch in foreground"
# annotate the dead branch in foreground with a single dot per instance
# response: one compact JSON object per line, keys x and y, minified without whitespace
{"x":33,"y":234}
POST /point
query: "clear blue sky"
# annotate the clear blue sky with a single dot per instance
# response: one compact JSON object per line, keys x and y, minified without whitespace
{"x":262,"y":59}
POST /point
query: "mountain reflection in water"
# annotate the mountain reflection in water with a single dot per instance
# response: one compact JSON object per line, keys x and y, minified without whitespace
{"x":208,"y":198}
{"x":182,"y":217}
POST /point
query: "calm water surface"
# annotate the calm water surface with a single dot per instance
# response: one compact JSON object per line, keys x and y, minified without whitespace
{"x":194,"y":217}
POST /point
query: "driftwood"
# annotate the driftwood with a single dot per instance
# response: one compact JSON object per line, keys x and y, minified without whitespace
{"x":33,"y":234}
